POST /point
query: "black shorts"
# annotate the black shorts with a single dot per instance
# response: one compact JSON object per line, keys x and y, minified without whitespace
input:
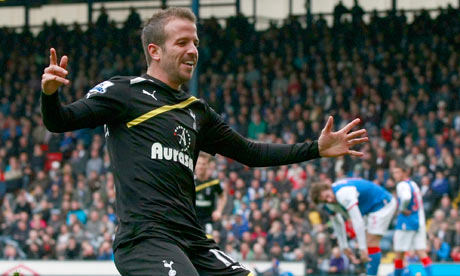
{"x":159,"y":257}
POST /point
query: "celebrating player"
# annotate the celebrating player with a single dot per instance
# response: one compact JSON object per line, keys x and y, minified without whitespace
{"x":354,"y":198}
{"x":155,"y":131}
{"x":410,"y":231}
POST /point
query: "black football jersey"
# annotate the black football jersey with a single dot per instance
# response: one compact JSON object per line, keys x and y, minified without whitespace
{"x":207,"y":193}
{"x":154,"y":134}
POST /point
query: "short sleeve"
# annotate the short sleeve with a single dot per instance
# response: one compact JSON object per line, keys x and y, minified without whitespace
{"x":347,"y":197}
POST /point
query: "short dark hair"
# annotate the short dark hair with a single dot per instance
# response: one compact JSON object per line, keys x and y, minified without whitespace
{"x":153,"y":29}
{"x":204,"y":155}
{"x":316,"y":189}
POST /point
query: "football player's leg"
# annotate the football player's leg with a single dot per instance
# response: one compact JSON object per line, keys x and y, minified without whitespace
{"x":378,"y":223}
{"x":420,"y":247}
{"x":399,"y":263}
{"x":375,"y":254}
{"x":402,"y":242}
{"x":155,"y":257}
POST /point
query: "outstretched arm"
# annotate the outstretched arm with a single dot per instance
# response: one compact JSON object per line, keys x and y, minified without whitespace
{"x":220,"y":138}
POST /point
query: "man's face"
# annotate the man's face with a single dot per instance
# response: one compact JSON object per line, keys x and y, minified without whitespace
{"x":201,"y":167}
{"x":398,"y":174}
{"x":327,"y":196}
{"x":179,"y":54}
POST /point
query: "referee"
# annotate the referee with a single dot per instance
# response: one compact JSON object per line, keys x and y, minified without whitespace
{"x":154,"y":133}
{"x":210,"y":198}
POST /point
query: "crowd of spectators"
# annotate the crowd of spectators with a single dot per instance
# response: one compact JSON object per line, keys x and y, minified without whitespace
{"x":278,"y":85}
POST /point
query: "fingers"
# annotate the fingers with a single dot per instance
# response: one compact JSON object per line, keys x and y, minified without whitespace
{"x":64,"y":61}
{"x":358,"y":141}
{"x":53,"y":57}
{"x":56,"y":70}
{"x":355,"y":153}
{"x":357,"y":133}
{"x":50,"y":77}
{"x":329,"y":124}
{"x":350,"y":125}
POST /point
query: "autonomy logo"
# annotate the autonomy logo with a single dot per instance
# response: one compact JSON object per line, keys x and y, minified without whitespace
{"x":171,"y":272}
{"x":184,"y":137}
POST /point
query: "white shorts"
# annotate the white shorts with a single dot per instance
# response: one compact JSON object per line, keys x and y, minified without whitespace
{"x":379,"y":221}
{"x":405,"y":240}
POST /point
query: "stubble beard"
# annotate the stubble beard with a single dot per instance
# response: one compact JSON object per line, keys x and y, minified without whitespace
{"x":174,"y":73}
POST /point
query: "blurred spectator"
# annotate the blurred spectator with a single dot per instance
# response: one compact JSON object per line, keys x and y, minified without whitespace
{"x":435,"y":223}
{"x":337,"y":262}
{"x":72,"y":251}
{"x":323,"y":250}
{"x":440,"y":186}
{"x":88,"y":251}
{"x":439,"y":250}
{"x":10,"y":253}
{"x":94,"y":164}
{"x":245,"y":253}
{"x":94,"y":225}
{"x":339,"y":11}
{"x":240,"y":226}
{"x":259,"y":253}
{"x":77,"y":212}
{"x":275,"y":235}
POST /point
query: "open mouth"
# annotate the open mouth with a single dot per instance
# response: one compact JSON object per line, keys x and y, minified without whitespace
{"x":190,"y":63}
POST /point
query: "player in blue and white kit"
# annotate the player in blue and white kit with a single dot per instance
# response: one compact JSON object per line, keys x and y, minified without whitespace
{"x":367,"y":205}
{"x":410,"y":231}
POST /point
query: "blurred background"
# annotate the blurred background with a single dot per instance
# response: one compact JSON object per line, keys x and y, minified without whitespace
{"x":274,"y":70}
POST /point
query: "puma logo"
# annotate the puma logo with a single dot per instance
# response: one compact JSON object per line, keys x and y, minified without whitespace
{"x":150,"y":94}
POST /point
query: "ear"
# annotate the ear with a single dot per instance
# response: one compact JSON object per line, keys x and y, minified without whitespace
{"x":154,"y":51}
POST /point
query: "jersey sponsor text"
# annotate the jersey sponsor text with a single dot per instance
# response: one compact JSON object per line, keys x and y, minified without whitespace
{"x":159,"y":152}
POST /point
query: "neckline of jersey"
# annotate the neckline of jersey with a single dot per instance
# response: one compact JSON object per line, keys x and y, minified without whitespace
{"x":174,"y":92}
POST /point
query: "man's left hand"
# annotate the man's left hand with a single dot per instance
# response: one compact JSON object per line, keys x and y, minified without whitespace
{"x":406,"y":212}
{"x":333,"y":144}
{"x":216,"y":215}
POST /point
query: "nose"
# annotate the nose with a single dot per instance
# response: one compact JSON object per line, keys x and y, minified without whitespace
{"x":192,"y":50}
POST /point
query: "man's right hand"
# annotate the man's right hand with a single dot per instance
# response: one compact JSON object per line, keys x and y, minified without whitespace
{"x":364,"y":256}
{"x":349,"y":253}
{"x":54,"y":75}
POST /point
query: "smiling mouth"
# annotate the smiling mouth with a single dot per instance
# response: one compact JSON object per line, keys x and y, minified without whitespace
{"x":190,"y":63}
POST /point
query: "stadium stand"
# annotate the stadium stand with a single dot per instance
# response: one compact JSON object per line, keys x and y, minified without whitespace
{"x":402,"y":79}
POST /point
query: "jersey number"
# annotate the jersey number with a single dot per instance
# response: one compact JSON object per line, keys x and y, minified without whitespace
{"x":415,"y":196}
